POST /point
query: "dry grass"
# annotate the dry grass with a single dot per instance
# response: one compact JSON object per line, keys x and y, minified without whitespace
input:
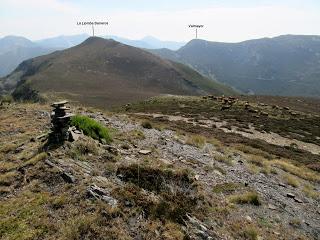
{"x":196,"y":140}
{"x":136,"y":135}
{"x":172,"y":232}
{"x":301,"y":172}
{"x":79,"y":227}
{"x":8,"y":178}
{"x":246,"y":198}
{"x":215,"y":142}
{"x":59,"y":201}
{"x":250,"y":233}
{"x":20,"y":217}
{"x":226,"y":187}
{"x":253,"y":151}
{"x":6,"y":166}
{"x":257,"y":160}
{"x":8,"y":147}
{"x":4,"y":190}
{"x":291,"y":180}
{"x":223,"y":158}
{"x":83,"y":147}
{"x":295,"y":222}
{"x":39,"y":157}
{"x":267,"y":169}
{"x":309,"y":191}
{"x":252,"y":168}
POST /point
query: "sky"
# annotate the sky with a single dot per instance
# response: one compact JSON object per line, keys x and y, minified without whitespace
{"x":223,"y":20}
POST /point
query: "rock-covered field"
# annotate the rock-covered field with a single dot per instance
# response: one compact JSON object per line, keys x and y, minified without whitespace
{"x":177,"y":168}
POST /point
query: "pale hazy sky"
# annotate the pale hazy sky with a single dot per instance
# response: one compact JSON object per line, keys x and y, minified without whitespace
{"x":224,"y":20}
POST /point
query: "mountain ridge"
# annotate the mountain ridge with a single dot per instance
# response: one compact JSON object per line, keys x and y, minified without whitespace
{"x":283,"y":65}
{"x":101,"y":71}
{"x":15,"y":49}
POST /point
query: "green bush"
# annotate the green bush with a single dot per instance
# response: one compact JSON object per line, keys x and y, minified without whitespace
{"x":91,"y":128}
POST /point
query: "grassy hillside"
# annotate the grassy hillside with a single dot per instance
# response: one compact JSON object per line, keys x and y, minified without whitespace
{"x":103,"y":72}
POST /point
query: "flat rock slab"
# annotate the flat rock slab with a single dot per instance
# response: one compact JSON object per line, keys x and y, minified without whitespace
{"x":61,"y":103}
{"x":290,"y":195}
{"x":145,"y":152}
{"x":298,"y":200}
{"x":75,"y":136}
{"x":272,"y":207}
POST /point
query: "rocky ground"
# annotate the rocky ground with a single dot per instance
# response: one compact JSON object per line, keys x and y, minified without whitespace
{"x":152,"y":182}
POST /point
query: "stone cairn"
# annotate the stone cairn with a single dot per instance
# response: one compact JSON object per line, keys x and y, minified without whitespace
{"x":60,"y":120}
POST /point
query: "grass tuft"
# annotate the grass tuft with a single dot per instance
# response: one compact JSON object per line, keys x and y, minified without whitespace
{"x":146,"y":124}
{"x":226,"y":187}
{"x":292,"y":181}
{"x":8,"y":178}
{"x":227,"y":159}
{"x":250,"y":233}
{"x":310,"y":191}
{"x":8,"y":147}
{"x":301,"y":172}
{"x":39,"y":157}
{"x":83,"y":147}
{"x":253,"y":151}
{"x":196,"y":140}
{"x":246,"y":198}
{"x":91,"y":128}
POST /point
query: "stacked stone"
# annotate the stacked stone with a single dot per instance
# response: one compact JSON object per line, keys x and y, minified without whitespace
{"x":60,"y":120}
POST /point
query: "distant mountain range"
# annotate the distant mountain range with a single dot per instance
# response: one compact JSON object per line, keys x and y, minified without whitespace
{"x":284,"y":65}
{"x":14,"y":49}
{"x":102,"y":72}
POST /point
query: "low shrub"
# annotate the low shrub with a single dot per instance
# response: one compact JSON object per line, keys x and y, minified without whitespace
{"x":91,"y":128}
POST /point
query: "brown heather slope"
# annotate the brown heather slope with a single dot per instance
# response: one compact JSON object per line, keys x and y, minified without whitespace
{"x":99,"y":72}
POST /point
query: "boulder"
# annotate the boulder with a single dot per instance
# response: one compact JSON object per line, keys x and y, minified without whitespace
{"x":67,"y":177}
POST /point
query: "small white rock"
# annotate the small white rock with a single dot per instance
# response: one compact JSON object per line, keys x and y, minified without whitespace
{"x":249,"y":218}
{"x":145,"y":152}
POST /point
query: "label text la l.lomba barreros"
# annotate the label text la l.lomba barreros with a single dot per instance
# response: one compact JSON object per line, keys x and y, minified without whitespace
{"x":92,"y":23}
